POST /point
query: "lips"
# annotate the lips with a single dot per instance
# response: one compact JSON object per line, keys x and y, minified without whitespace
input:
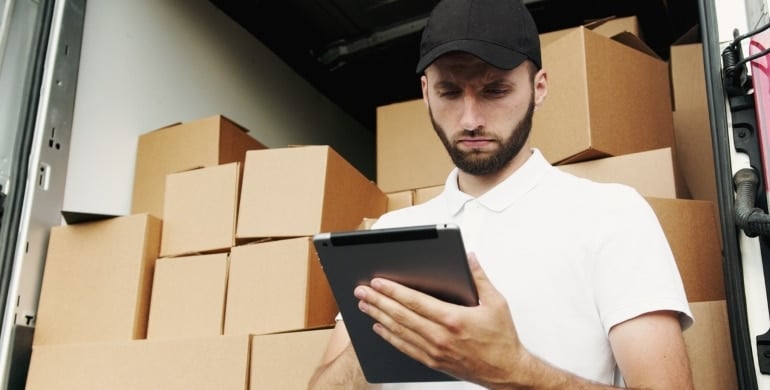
{"x":475,"y":142}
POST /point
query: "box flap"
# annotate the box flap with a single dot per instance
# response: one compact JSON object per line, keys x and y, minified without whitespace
{"x":75,"y":217}
{"x":633,"y":41}
{"x":691,"y":36}
{"x":613,"y":25}
{"x":592,"y":24}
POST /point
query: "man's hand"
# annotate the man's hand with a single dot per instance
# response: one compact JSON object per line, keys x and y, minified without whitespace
{"x":478,"y":344}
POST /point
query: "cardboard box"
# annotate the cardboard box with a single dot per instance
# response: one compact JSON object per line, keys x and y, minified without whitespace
{"x":301,"y":191}
{"x":409,"y":153}
{"x":608,"y":27}
{"x":366,"y":223}
{"x":692,"y":126}
{"x":277,"y":286}
{"x":286,"y":360}
{"x":220,"y":362}
{"x":201,"y":209}
{"x":606,"y":97}
{"x":709,"y":347}
{"x":205,"y":142}
{"x":422,"y":195}
{"x":693,"y":234}
{"x":188,"y":297}
{"x":97,"y":281}
{"x":399,"y":200}
{"x":652,"y":173}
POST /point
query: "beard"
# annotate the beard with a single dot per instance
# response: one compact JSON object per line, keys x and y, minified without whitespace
{"x":478,"y":163}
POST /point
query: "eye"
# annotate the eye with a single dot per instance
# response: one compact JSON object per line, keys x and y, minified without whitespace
{"x":449,"y":93}
{"x":496,"y":91}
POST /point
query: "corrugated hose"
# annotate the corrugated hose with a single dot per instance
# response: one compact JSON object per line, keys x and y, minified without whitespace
{"x":752,"y":220}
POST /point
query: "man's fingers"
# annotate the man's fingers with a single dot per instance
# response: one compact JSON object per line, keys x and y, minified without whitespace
{"x":484,"y":287}
{"x":396,"y":324}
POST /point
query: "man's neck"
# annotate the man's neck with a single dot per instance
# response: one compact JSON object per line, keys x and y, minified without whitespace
{"x":477,"y":185}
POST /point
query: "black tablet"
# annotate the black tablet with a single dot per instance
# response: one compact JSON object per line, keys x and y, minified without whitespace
{"x":428,"y":258}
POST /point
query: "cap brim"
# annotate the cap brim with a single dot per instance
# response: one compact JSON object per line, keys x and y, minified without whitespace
{"x":490,"y":53}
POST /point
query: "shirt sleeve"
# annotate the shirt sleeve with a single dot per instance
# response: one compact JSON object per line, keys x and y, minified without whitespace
{"x":635,"y":271}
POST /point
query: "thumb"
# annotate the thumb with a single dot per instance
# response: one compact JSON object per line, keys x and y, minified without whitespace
{"x":484,"y":287}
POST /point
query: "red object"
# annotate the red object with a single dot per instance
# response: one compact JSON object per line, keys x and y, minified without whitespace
{"x":760,"y":71}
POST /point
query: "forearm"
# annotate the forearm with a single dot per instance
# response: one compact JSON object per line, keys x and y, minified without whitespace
{"x":344,"y":372}
{"x":536,"y":374}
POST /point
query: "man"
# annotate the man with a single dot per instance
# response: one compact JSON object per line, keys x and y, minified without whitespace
{"x":577,"y":285}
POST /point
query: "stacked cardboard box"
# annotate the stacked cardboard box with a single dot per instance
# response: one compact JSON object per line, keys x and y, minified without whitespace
{"x":608,"y":117}
{"x":217,"y":292}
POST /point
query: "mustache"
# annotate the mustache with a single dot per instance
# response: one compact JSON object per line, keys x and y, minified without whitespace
{"x":475,"y":133}
{"x":472,"y":133}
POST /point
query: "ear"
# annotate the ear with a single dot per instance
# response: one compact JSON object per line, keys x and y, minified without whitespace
{"x":541,"y":87}
{"x":424,"y":87}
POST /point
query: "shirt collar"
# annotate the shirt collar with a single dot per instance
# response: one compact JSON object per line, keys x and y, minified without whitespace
{"x":504,"y":194}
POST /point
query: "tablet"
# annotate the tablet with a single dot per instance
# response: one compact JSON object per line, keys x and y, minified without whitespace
{"x":428,"y":258}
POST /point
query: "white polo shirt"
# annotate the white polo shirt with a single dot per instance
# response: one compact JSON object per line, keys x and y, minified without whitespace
{"x":572,"y":257}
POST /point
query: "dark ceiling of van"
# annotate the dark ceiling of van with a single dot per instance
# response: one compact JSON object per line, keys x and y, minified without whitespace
{"x":362,"y":53}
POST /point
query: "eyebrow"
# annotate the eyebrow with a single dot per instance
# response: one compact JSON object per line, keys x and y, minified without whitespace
{"x":445,"y":84}
{"x":494,"y":82}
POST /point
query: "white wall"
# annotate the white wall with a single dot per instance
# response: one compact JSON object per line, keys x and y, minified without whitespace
{"x":149,"y":63}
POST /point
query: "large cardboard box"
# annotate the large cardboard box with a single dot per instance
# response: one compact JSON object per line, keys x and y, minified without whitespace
{"x":652,"y":173}
{"x":409,"y":153}
{"x":97,"y":281}
{"x":422,"y":195}
{"x":188,"y":297}
{"x":286,"y":360}
{"x":692,"y":126}
{"x":606,"y":97}
{"x":301,"y":191}
{"x":608,"y":27}
{"x":400,"y":199}
{"x":220,"y":362}
{"x":693,"y":234}
{"x":709,"y":348}
{"x":205,"y":142}
{"x":277,"y":286}
{"x":201,"y":209}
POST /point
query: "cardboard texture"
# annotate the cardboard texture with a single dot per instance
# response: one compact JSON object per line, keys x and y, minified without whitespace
{"x":652,"y":173}
{"x":97,"y":281}
{"x":301,"y":191}
{"x":709,"y":347}
{"x":286,"y":360}
{"x":220,"y":362}
{"x":605,"y":98}
{"x":610,"y":27}
{"x":409,"y":153}
{"x":205,"y":142}
{"x":277,"y":286}
{"x":399,"y":200}
{"x":366,"y":223}
{"x":692,"y":127}
{"x":201,"y":210}
{"x":693,"y":234}
{"x":188,"y":297}
{"x":607,"y":27}
{"x":422,"y":195}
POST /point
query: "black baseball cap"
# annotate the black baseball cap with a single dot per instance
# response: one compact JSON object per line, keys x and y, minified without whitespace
{"x":500,"y":32}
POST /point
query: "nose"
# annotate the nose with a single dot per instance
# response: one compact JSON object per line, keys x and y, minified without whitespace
{"x":472,"y":117}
